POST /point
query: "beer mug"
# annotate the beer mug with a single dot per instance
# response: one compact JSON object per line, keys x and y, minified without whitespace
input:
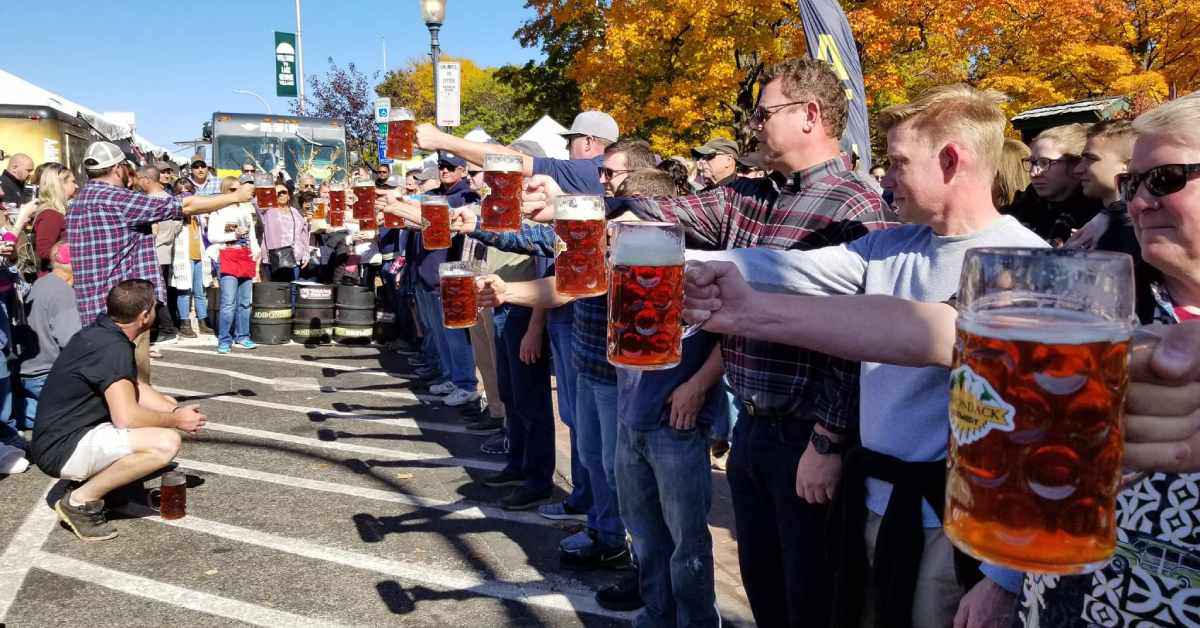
{"x":401,"y":130}
{"x":579,"y":267}
{"x":645,"y":295}
{"x":337,"y":204}
{"x":364,"y":199}
{"x":395,"y":182}
{"x":320,"y":208}
{"x":460,"y":303}
{"x":501,"y":208}
{"x":264,"y":190}
{"x":435,"y":212}
{"x":1037,"y":393}
{"x":170,"y":499}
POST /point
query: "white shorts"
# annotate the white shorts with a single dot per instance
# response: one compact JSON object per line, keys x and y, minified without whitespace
{"x":99,"y":448}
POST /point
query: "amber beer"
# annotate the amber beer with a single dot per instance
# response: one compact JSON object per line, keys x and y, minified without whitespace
{"x":337,"y":205}
{"x":579,"y":268}
{"x":264,"y":191}
{"x":435,"y":211}
{"x":501,"y":208}
{"x":645,"y":296}
{"x":459,"y":295}
{"x":1036,"y":402}
{"x":364,"y":199}
{"x":320,"y":208}
{"x":401,"y":131}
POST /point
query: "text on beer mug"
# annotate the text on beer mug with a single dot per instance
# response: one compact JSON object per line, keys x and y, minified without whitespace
{"x":645,"y":295}
{"x":501,"y":208}
{"x":579,"y":266}
{"x":435,"y":212}
{"x":1037,"y":393}
{"x":459,"y":293}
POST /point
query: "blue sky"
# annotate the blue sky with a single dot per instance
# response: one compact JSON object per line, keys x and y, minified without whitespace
{"x":173,"y":65}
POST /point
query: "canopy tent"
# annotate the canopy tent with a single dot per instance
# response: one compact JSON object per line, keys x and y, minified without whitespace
{"x":15,"y":90}
{"x":548,"y":134}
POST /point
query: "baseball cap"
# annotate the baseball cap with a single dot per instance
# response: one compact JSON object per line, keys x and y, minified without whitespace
{"x":528,"y":147}
{"x":428,"y":173}
{"x":163,"y":166}
{"x":101,"y":155}
{"x":199,"y":163}
{"x":594,"y":123}
{"x":717,"y":146}
{"x":452,"y":159}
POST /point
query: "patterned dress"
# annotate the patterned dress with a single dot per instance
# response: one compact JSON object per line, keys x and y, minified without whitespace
{"x":1154,"y":578}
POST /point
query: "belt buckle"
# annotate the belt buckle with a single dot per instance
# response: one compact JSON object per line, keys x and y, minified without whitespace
{"x":750,"y":408}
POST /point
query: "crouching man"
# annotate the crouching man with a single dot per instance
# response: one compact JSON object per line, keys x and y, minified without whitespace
{"x":96,"y":423}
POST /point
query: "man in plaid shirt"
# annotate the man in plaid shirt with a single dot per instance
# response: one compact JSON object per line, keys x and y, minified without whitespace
{"x":797,"y":408}
{"x":108,"y":229}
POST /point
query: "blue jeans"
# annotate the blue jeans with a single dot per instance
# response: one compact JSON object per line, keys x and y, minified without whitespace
{"x":596,"y":425}
{"x":665,"y":486}
{"x":183,"y":301}
{"x":33,"y":392}
{"x":525,"y":391}
{"x":722,"y":428}
{"x":565,"y":375}
{"x":8,"y":423}
{"x":235,"y":310}
{"x":431,"y":322}
{"x":452,"y":345}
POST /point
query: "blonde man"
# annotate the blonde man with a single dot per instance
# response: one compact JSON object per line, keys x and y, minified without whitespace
{"x":1054,"y":205}
{"x":943,"y":150}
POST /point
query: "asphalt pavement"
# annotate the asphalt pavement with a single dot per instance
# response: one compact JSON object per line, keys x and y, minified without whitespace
{"x":325,"y":491}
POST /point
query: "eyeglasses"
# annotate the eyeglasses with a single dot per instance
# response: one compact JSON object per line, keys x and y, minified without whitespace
{"x":609,"y":173}
{"x":281,"y":192}
{"x":1043,"y":164}
{"x":761,"y":114}
{"x":1159,"y":181}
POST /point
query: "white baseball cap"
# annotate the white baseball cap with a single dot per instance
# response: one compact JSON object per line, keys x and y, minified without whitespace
{"x":594,"y":123}
{"x":101,"y":155}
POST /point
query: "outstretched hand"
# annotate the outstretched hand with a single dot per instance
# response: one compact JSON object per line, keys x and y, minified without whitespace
{"x":716,"y":296}
{"x":537,"y":201}
{"x":491,"y":291}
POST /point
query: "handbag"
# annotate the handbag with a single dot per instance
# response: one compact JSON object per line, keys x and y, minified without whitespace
{"x":284,"y":257}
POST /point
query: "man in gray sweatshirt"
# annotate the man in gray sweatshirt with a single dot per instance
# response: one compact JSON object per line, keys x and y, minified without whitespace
{"x":943,"y":149}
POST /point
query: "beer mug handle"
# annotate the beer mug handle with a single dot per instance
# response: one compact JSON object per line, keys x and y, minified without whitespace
{"x":154,"y":499}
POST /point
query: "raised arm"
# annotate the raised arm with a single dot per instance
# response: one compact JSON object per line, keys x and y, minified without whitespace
{"x":194,"y":205}
{"x":430,"y":137}
{"x":539,"y":293}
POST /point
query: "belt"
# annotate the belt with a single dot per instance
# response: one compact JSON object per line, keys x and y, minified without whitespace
{"x":768,"y":413}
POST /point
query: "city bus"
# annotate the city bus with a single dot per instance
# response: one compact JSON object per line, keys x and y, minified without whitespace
{"x":298,"y":145}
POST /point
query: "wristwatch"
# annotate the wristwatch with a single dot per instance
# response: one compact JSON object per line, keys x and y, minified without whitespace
{"x":825,"y":445}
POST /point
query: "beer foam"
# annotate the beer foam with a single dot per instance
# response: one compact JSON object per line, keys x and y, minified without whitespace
{"x":503,"y":163}
{"x":1044,"y":325}
{"x":647,"y":247}
{"x":458,"y":273}
{"x":579,"y":208}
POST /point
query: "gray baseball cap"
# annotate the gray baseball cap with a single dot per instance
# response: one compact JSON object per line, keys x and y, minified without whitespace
{"x":101,"y":155}
{"x":428,"y":173}
{"x":717,"y":146}
{"x":596,"y":124}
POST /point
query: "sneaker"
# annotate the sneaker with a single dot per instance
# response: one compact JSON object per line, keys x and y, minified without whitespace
{"x":460,"y":397}
{"x":582,"y":541}
{"x":599,"y":557}
{"x":496,"y":445}
{"x":402,"y":347}
{"x":155,"y":353}
{"x":428,"y":372}
{"x":444,"y":388}
{"x":186,"y":331}
{"x":169,"y":340}
{"x":12,"y":460}
{"x":506,"y":477}
{"x":524,"y":498}
{"x":205,"y":329}
{"x":622,"y":596}
{"x":88,"y":521}
{"x":222,"y":348}
{"x":247,"y":344}
{"x":486,"y":424}
{"x":561,"y":511}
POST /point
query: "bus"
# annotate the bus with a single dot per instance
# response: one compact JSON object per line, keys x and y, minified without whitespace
{"x":299,"y":145}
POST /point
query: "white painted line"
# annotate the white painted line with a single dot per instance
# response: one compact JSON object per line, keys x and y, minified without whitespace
{"x":393,"y":394}
{"x":22,"y":550}
{"x":199,"y":601}
{"x":377,"y":372}
{"x":456,"y":509}
{"x":444,"y":461}
{"x":330,"y":414}
{"x":534,"y":592}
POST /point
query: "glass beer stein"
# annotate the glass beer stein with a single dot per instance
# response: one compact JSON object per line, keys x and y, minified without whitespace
{"x":264,"y":190}
{"x":401,"y":131}
{"x":645,"y":295}
{"x":459,"y":293}
{"x":435,"y":212}
{"x":1037,"y":393}
{"x":579,"y":267}
{"x":501,"y":208}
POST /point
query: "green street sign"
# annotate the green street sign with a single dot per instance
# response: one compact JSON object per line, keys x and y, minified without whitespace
{"x":285,"y":64}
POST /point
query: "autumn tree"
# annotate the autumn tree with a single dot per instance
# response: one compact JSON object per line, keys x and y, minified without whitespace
{"x":344,"y":93}
{"x":486,"y":101}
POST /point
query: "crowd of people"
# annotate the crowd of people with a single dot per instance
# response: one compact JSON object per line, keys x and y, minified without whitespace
{"x":826,"y":301}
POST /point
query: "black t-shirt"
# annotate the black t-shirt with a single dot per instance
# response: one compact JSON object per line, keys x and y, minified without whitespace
{"x":72,"y":400}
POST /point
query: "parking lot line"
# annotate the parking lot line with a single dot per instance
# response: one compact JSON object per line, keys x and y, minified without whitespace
{"x":23,"y":549}
{"x":376,"y":372}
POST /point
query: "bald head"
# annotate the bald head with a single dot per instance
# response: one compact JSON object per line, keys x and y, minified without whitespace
{"x":20,"y":166}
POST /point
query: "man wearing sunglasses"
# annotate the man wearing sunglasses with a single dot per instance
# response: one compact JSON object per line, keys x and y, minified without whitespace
{"x":717,"y":161}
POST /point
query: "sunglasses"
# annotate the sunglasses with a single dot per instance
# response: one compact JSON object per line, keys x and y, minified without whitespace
{"x":1159,"y":181}
{"x":609,"y":173}
{"x":281,"y":192}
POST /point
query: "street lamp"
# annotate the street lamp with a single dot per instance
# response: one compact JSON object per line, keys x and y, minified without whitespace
{"x":434,"y":12}
{"x":260,"y":99}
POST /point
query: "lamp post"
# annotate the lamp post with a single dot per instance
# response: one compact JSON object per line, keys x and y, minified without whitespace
{"x":434,"y":12}
{"x":260,"y":99}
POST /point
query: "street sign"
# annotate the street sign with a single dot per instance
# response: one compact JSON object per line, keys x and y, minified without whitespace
{"x":383,"y":109}
{"x":285,"y":65}
{"x":449,"y":96}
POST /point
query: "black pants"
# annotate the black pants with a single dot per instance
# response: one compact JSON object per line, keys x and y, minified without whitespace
{"x":781,"y":538}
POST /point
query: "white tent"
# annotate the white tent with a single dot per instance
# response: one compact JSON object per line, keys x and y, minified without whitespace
{"x":477,"y":134}
{"x":548,"y":134}
{"x":15,"y":90}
